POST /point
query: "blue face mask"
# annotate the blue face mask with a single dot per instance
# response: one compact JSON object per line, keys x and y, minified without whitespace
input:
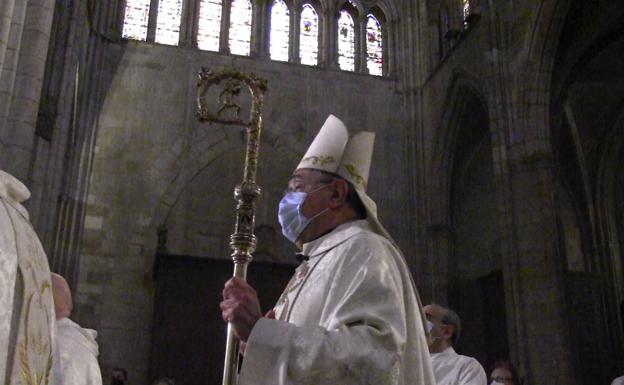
{"x":430,"y":330}
{"x":291,"y":218}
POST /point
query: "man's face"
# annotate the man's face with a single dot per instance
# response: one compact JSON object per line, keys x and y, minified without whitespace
{"x":502,"y":376}
{"x":311,"y":182}
{"x":434,"y":315}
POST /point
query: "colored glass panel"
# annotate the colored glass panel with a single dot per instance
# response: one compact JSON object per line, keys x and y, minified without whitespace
{"x":209,"y":28}
{"x":346,"y":42}
{"x":280,"y":27}
{"x":240,"y":27}
{"x":308,"y":39}
{"x":135,"y":19}
{"x":168,"y":22}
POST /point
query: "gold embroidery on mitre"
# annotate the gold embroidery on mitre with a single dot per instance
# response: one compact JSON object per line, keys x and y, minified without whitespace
{"x":358,"y":178}
{"x":323,"y":160}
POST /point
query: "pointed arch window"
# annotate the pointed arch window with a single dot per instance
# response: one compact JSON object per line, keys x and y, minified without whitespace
{"x":308,"y":39}
{"x":209,"y":28}
{"x":135,"y":19}
{"x":280,"y":27}
{"x":240,"y":27}
{"x":374,"y":46}
{"x":168,"y":22}
{"x":346,"y":42}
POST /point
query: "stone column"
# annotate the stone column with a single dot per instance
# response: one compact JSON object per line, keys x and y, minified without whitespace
{"x":188,"y":23}
{"x":22,"y":101}
{"x":543,"y":344}
{"x":8,"y":70}
{"x":224,"y":40}
{"x":152,"y":21}
{"x":360,"y":44}
{"x":260,"y":29}
{"x":264,"y":22}
{"x":388,"y":50}
{"x":295,"y":33}
{"x":330,"y":37}
{"x":6,"y":15}
{"x":434,"y":286}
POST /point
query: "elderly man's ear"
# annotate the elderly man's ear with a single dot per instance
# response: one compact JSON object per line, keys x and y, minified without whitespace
{"x":340,"y":189}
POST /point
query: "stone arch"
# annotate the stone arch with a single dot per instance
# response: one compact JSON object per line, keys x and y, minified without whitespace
{"x":186,"y":175}
{"x":387,"y":8}
{"x":465,"y":242}
{"x":351,"y":4}
{"x":439,"y":228}
{"x":543,"y":40}
{"x":318,"y":5}
{"x":571,"y":63}
{"x":463,"y":86}
{"x":610,"y":215}
{"x":591,"y":38}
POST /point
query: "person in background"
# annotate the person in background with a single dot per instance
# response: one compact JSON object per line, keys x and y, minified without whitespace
{"x":77,"y":348}
{"x":504,"y":373}
{"x":119,"y":376}
{"x":449,"y":367}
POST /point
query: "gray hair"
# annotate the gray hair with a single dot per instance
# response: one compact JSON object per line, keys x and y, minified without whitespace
{"x":450,"y":317}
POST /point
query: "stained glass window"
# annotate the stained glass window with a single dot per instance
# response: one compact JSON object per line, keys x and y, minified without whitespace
{"x":280,"y":23}
{"x":168,"y":22}
{"x":240,"y":27}
{"x":135,"y":19}
{"x":308,"y":39}
{"x":374,"y":48}
{"x":346,"y":42}
{"x":209,"y":28}
{"x":466,"y":12}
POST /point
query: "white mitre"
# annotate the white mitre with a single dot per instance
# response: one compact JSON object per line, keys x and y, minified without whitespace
{"x":333,"y":151}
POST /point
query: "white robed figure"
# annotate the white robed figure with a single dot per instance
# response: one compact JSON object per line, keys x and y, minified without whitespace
{"x":77,"y":349}
{"x":351,"y":313}
{"x":27,"y":331}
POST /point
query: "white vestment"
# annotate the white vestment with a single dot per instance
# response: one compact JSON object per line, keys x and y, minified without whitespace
{"x":27,"y":333}
{"x":350,"y":315}
{"x":451,"y":368}
{"x":78,"y":353}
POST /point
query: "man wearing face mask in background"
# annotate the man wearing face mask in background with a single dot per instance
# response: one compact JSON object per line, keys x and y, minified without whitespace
{"x":351,"y":313}
{"x":449,"y":367}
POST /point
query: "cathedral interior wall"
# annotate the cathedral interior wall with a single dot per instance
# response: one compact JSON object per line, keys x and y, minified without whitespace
{"x":156,"y":165}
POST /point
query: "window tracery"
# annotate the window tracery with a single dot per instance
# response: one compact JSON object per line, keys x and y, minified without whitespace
{"x":308,"y":41}
{"x":280,"y":28}
{"x":346,"y":41}
{"x":240,"y":27}
{"x":209,"y":25}
{"x":374,"y":48}
{"x":135,"y":19}
{"x":168,"y":22}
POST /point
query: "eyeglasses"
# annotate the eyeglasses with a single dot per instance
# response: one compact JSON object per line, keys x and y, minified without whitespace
{"x":501,"y":379}
{"x":299,"y":187}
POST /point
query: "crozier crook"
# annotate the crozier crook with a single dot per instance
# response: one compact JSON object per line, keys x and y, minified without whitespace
{"x":242,"y":241}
